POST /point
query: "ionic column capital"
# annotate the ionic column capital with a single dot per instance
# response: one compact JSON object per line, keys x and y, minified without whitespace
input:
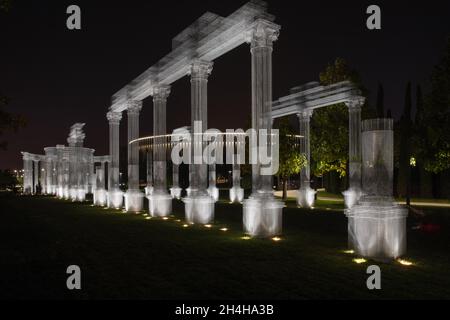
{"x":354,"y":104}
{"x":161,"y":92}
{"x":305,"y":114}
{"x":134,"y":107}
{"x":26,"y":156}
{"x":114,"y":117}
{"x":262,"y":34}
{"x":200,"y":69}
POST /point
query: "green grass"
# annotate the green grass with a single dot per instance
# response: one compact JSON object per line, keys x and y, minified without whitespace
{"x":126,"y":256}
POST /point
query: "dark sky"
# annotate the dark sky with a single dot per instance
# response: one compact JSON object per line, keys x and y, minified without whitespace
{"x":56,"y":77}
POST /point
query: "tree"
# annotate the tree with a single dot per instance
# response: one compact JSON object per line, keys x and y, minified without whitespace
{"x":290,"y":159}
{"x":380,"y":101}
{"x":8,"y":180}
{"x":329,"y":126}
{"x":5,"y":5}
{"x":8,"y":121}
{"x":435,"y":138}
{"x":405,"y":147}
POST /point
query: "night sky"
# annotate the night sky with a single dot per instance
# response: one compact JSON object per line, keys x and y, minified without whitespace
{"x":56,"y":77}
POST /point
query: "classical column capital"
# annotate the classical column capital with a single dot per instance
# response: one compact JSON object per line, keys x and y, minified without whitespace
{"x":161,"y":92}
{"x":263,"y":33}
{"x":134,"y":106}
{"x":355,"y":103}
{"x":200,"y":69}
{"x":26,"y":156}
{"x":114,"y":117}
{"x":305,"y":114}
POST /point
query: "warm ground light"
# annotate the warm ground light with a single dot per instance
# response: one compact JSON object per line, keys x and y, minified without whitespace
{"x":131,"y":256}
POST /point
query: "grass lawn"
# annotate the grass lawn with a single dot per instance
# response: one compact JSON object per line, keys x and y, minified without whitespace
{"x":126,"y":256}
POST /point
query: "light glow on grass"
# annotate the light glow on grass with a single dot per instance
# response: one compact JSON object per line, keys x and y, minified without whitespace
{"x":185,"y":225}
{"x":165,"y":218}
{"x":405,"y":262}
{"x":208,"y":226}
{"x":148,"y":218}
{"x":246,"y":238}
{"x":276,"y":239}
{"x":224,"y":229}
{"x":349,"y":251}
{"x":178,"y":220}
{"x":359,"y":260}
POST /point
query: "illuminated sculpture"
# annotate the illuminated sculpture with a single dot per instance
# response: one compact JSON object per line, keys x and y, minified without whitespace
{"x":303,"y":100}
{"x":236,"y":192}
{"x":64,"y":171}
{"x":262,"y":215}
{"x":159,"y":201}
{"x":376,"y":224}
{"x":100,"y":192}
{"x":134,"y":198}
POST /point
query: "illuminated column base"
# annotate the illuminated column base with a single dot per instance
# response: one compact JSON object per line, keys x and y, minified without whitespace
{"x":115,"y":199}
{"x":199,"y":209}
{"x":214,"y":193}
{"x":377,"y":231}
{"x":236,"y":194}
{"x":73,"y":194}
{"x":100,"y":197}
{"x":263,"y":217}
{"x":175,"y":192}
{"x":351,"y":197}
{"x":159,"y":204}
{"x":66,"y":193}
{"x":188,"y":192}
{"x":148,"y":191}
{"x":305,"y":197}
{"x":81,"y":195}
{"x":134,"y":201}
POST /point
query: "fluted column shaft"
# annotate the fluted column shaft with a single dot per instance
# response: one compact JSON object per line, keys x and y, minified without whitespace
{"x":354,"y":132}
{"x":160,"y":95}
{"x":304,"y":124}
{"x":114,"y":144}
{"x":133,"y":110}
{"x":200,"y":70}
{"x":36,"y":175}
{"x":262,"y":38}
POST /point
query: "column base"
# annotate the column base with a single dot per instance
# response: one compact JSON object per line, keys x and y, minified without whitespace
{"x":305,"y":197}
{"x":351,"y":197}
{"x":73,"y":194}
{"x":377,"y":231}
{"x":134,"y":201}
{"x":77,"y":194}
{"x":100,"y":197}
{"x":199,"y":209}
{"x":188,"y":192}
{"x":262,"y":216}
{"x":148,"y":191}
{"x":236,"y":194}
{"x":66,"y":193}
{"x":81,"y":194}
{"x":159,"y":204}
{"x":115,"y":199}
{"x":175,"y":192}
{"x":213,"y":193}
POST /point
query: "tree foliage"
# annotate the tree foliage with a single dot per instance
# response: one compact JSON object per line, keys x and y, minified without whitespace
{"x":8,"y":121}
{"x":290,"y":159}
{"x":329,"y":126}
{"x":433,"y":121}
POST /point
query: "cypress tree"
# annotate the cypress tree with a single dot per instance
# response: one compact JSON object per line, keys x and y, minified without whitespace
{"x":380,"y":101}
{"x":405,"y":146}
